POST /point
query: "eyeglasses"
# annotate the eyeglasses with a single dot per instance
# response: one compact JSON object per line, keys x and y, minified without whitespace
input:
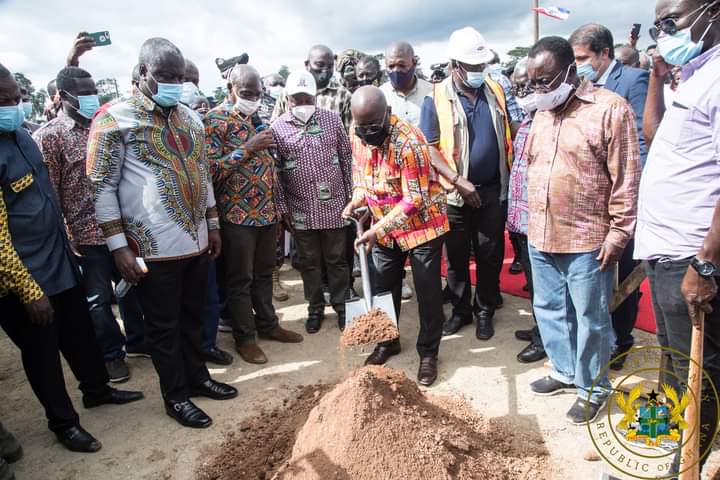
{"x":669,"y":26}
{"x":372,"y":129}
{"x":543,"y":85}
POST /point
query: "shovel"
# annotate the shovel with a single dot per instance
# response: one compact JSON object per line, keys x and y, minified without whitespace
{"x":360,"y":306}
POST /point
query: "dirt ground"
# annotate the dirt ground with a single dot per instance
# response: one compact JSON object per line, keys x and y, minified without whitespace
{"x":141,"y":442}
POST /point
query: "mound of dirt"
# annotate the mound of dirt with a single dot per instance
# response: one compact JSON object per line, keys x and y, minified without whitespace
{"x":373,"y":327}
{"x":376,"y":424}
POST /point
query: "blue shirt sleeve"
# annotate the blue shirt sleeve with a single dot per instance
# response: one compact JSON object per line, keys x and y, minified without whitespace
{"x":429,"y":123}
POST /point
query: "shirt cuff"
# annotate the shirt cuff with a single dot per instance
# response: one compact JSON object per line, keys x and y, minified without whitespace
{"x":29,"y":292}
{"x":116,"y":242}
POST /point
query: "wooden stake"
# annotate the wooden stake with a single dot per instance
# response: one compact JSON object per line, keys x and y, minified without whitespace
{"x":690,"y":453}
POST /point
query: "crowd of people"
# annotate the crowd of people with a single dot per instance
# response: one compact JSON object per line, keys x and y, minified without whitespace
{"x":592,"y":157}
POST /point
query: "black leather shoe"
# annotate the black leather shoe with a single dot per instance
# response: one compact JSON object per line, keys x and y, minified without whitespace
{"x":111,"y":396}
{"x":76,"y":439}
{"x":188,"y":414}
{"x":341,"y":321}
{"x":218,"y":357}
{"x":314,"y":322}
{"x":215,"y":390}
{"x":618,"y":357}
{"x":427,"y":373}
{"x":382,"y":353}
{"x":534,"y":352}
{"x":524,"y":335}
{"x":455,"y":323}
{"x":516,"y":268}
{"x":484,"y":329}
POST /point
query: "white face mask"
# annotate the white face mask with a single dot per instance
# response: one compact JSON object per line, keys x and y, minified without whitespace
{"x":247,"y":107}
{"x":275,"y":91}
{"x":303,"y":112}
{"x":555,"y":98}
{"x":529,"y":103}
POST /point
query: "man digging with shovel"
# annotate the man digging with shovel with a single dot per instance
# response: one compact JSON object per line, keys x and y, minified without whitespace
{"x":393,"y":176}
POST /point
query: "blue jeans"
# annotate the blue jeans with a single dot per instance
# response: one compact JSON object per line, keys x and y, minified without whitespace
{"x":211,"y":313}
{"x":98,"y":270}
{"x":571,"y":303}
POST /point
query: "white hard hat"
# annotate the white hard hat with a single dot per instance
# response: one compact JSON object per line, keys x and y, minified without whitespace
{"x":469,"y":46}
{"x":301,"y":82}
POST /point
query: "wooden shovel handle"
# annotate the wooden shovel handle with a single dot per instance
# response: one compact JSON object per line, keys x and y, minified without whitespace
{"x":690,"y":453}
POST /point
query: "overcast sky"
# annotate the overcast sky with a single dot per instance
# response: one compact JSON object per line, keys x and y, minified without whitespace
{"x":35,"y":35}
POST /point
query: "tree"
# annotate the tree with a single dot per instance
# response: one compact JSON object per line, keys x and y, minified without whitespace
{"x":518,"y":52}
{"x":220,"y":94}
{"x":284,"y":71}
{"x":37,"y":99}
{"x":107,"y":90}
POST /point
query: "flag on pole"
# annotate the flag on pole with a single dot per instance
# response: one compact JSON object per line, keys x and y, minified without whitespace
{"x":558,"y":13}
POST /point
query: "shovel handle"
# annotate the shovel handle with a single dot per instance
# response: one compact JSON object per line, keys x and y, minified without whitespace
{"x":362,"y":253}
{"x":690,"y":452}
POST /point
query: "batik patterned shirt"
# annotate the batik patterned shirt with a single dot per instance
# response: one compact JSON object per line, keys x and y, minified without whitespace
{"x":517,"y":220}
{"x":400,"y":186}
{"x":315,"y":170}
{"x":244,"y":183}
{"x":63,"y":143}
{"x":151,"y":183}
{"x":583,"y":174}
{"x":334,"y":97}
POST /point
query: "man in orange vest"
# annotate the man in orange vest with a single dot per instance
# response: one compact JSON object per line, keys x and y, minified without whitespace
{"x":468,"y":122}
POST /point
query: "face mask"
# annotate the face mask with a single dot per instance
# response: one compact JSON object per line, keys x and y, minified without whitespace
{"x":275,"y":91}
{"x":88,"y":104}
{"x":679,"y":49}
{"x":247,"y":107}
{"x":303,"y":112}
{"x":401,"y":80}
{"x":494,"y":69}
{"x":168,"y":94}
{"x":552,"y":100}
{"x":372,"y":136}
{"x":27,"y":108}
{"x":528,"y":103}
{"x":586,"y":70}
{"x":11,"y":118}
{"x":189,"y":93}
{"x":474,"y":79}
{"x":322,"y":77}
{"x":364,"y":83}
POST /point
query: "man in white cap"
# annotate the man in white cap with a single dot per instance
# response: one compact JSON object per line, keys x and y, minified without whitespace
{"x":468,"y":123}
{"x":315,"y":184}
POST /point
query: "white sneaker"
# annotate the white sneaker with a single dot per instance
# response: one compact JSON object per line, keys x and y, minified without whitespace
{"x":407,"y":291}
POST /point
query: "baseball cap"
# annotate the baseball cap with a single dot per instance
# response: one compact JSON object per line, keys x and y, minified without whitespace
{"x":468,"y":46}
{"x":301,"y":82}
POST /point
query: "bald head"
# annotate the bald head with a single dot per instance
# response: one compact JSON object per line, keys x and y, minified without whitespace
{"x":192,"y":74}
{"x":368,"y":106}
{"x":400,"y":49}
{"x":520,"y":74}
{"x":244,"y":82}
{"x":627,"y":55}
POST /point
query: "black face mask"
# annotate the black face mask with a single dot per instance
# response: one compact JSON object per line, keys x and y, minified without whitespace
{"x":364,"y":83}
{"x":402,"y":80}
{"x":322,"y":77}
{"x":374,"y":136}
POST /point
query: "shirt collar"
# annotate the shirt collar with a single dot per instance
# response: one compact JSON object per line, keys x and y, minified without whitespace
{"x":697,"y":63}
{"x":603,"y":80}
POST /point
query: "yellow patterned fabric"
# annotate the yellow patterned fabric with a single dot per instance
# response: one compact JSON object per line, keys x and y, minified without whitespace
{"x":21,"y":184}
{"x":14,"y":277}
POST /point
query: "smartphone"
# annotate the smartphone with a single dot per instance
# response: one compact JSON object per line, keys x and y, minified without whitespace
{"x":635,"y":30}
{"x":101,"y":38}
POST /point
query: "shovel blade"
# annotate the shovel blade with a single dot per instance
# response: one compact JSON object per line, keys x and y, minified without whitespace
{"x":353,"y":309}
{"x":384,"y":302}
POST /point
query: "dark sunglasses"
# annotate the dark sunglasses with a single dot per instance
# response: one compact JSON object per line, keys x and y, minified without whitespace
{"x":669,"y":26}
{"x":372,"y":129}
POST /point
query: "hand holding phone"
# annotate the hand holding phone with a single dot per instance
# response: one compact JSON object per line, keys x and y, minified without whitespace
{"x":101,"y":39}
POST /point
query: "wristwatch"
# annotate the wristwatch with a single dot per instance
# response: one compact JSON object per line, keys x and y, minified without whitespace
{"x":706,"y":270}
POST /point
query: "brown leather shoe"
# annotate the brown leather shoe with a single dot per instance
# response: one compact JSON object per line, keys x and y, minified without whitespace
{"x":382,"y":354}
{"x":427,"y":373}
{"x":251,"y":353}
{"x":283,"y":336}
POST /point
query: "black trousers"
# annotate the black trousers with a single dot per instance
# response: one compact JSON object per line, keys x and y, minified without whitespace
{"x":524,"y":259}
{"x":674,"y":331}
{"x":425,"y":262}
{"x":250,"y":258}
{"x":625,"y":316}
{"x":482,"y":230}
{"x":172,"y":296}
{"x":71,"y":333}
{"x":323,"y":248}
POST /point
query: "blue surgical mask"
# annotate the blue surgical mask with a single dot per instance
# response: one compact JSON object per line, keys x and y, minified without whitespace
{"x":168,"y":94}
{"x":11,"y":118}
{"x":189,"y":93}
{"x":679,"y":49}
{"x":27,"y":108}
{"x":88,"y":104}
{"x":475,"y":79}
{"x":586,"y":70}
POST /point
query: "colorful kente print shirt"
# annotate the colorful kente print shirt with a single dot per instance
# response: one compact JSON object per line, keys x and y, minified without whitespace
{"x":401,"y":188}
{"x":63,"y":144}
{"x":244,"y":183}
{"x":152,"y":188}
{"x":315,"y":169}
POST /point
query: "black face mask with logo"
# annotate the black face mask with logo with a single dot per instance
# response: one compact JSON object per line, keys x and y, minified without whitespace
{"x":322,"y":77}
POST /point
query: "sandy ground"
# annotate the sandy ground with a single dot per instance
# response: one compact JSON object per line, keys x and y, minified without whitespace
{"x":141,"y":442}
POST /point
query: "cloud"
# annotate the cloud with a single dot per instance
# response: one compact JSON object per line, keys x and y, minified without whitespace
{"x":35,"y":35}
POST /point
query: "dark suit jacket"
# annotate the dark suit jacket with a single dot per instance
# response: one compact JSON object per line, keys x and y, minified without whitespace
{"x":632,"y":84}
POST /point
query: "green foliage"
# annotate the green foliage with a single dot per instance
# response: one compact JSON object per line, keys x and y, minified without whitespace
{"x":38,"y":98}
{"x":220,"y":94}
{"x":519,"y":52}
{"x":284,"y":71}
